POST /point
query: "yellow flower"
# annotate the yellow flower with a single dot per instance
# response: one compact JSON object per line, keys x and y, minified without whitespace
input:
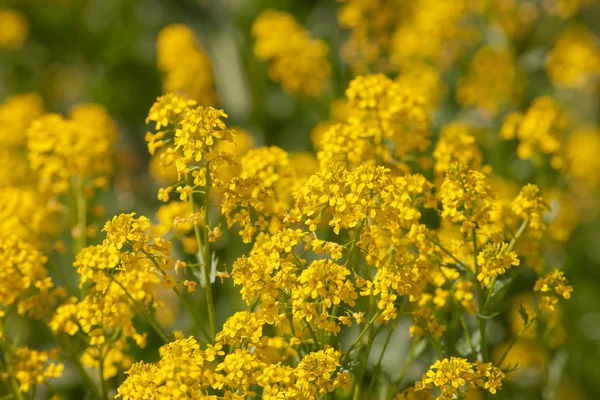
{"x":197,"y":134}
{"x":316,"y":370}
{"x":167,"y":110}
{"x":31,"y":367}
{"x":553,"y":286}
{"x":529,"y":204}
{"x":186,"y":65}
{"x":62,"y":151}
{"x":457,"y":144}
{"x":574,"y":59}
{"x":404,"y":276}
{"x":494,"y":260}
{"x":16,"y":114}
{"x":453,"y":374}
{"x":539,"y":129}
{"x":491,"y":81}
{"x":14,"y":29}
{"x":465,"y":197}
{"x":320,"y":286}
{"x":298,"y":62}
{"x":242,"y":328}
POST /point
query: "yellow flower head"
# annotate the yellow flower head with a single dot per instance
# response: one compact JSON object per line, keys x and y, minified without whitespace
{"x":494,"y":260}
{"x":298,"y":62}
{"x":13,"y":29}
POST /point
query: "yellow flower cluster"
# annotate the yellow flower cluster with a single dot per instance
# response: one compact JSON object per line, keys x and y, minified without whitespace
{"x":491,"y":81}
{"x":453,"y":374}
{"x":404,"y":277}
{"x":69,"y":153}
{"x":32,"y":368}
{"x":429,"y":32}
{"x":574,"y":59}
{"x":321,"y":286}
{"x":120,"y":278}
{"x":371,"y":24}
{"x":186,"y":66}
{"x":465,"y":197}
{"x":539,"y":130}
{"x":457,"y":143}
{"x":14,"y":29}
{"x":24,"y":281}
{"x":398,"y":215}
{"x":494,"y":260}
{"x":553,"y":286}
{"x":298,"y":62}
{"x":581,"y":152}
{"x":529,"y":204}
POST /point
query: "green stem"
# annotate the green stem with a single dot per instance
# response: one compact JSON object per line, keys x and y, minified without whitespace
{"x":447,"y":252}
{"x":312,"y":334}
{"x":515,"y":340}
{"x":404,"y":370}
{"x":467,"y":334}
{"x":88,"y":382}
{"x":81,"y":215}
{"x":359,"y":338}
{"x":206,"y":261}
{"x":522,"y":228}
{"x":101,"y":373}
{"x":12,"y":380}
{"x":481,"y":297}
{"x":140,"y":309}
{"x":377,"y":367}
{"x":182,"y":299}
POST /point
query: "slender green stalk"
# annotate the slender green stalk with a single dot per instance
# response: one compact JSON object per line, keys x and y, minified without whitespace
{"x":88,"y":382}
{"x":522,"y":228}
{"x":481,"y":297}
{"x":190,"y":310}
{"x":467,"y":334}
{"x":103,"y":384}
{"x":515,"y":340}
{"x":81,"y":214}
{"x":140,"y":309}
{"x":407,"y":362}
{"x":312,"y":334}
{"x":12,"y":380}
{"x":377,"y":367}
{"x":182,"y":299}
{"x":359,"y":338}
{"x":447,"y":252}
{"x":205,"y":261}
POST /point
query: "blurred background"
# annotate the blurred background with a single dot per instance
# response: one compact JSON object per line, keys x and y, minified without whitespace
{"x":104,"y":51}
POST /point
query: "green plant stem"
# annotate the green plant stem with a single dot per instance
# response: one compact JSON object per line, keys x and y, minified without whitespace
{"x":359,"y":338}
{"x":81,"y":215}
{"x":88,"y":382}
{"x":447,"y":252}
{"x":140,"y":309}
{"x":182,"y":299}
{"x":377,"y":367}
{"x":189,"y":309}
{"x":516,"y":339}
{"x":515,"y":238}
{"x":12,"y":380}
{"x":312,"y":334}
{"x":467,"y":334}
{"x":357,"y":232}
{"x":481,"y":297}
{"x":407,"y":362}
{"x":205,"y":261}
{"x":101,"y":373}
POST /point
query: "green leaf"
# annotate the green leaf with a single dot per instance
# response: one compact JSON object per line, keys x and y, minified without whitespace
{"x":523,"y":314}
{"x":487,"y":316}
